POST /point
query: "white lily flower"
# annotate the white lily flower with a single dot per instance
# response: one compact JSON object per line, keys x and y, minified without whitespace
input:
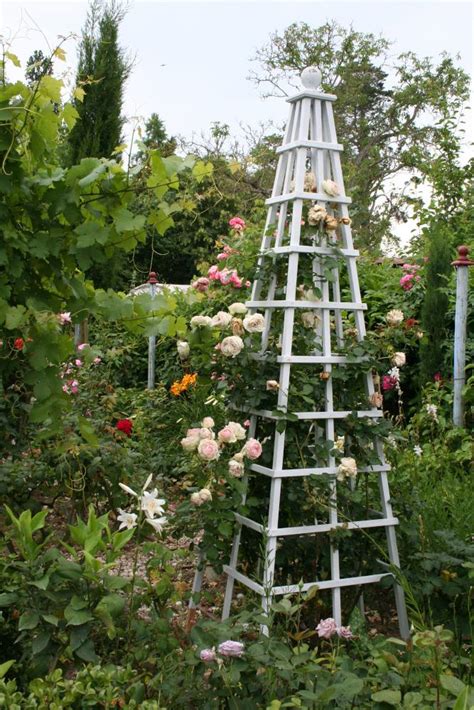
{"x":128,"y":490}
{"x":151,"y":504}
{"x":127,"y":520}
{"x":157,"y":523}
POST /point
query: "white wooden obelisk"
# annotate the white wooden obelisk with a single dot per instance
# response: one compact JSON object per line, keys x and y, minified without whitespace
{"x":310,"y":144}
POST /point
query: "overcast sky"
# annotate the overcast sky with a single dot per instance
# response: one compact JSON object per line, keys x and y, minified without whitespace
{"x":192,"y":59}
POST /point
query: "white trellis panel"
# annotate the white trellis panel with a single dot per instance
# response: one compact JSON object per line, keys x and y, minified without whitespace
{"x":310,"y":140}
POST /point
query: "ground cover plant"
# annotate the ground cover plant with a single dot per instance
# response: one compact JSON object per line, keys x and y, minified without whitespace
{"x":111,"y":493}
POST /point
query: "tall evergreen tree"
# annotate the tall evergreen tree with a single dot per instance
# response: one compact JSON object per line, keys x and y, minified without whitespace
{"x":37,"y":67}
{"x":102,"y":72}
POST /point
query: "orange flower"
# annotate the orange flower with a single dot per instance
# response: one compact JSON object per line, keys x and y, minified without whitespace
{"x":184,"y":384}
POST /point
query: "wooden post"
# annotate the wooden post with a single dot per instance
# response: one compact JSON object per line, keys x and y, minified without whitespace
{"x":462,"y":264}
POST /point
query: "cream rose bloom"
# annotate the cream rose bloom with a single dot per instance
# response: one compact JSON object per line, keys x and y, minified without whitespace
{"x":201,"y":322}
{"x":221,"y":320}
{"x":208,"y":423}
{"x":239,"y":431}
{"x":309,"y":319}
{"x":190,"y":443}
{"x":232,"y":345}
{"x":394,"y":317}
{"x":254,"y":323}
{"x":236,"y":468}
{"x":272,"y":386}
{"x":183,"y":349}
{"x":331,"y":188}
{"x":399,"y":359}
{"x":347,"y":468}
{"x":238,"y":309}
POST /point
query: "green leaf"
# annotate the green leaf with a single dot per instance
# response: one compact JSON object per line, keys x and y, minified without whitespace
{"x":78,"y":636}
{"x":13,"y":58}
{"x":451,"y":684}
{"x":15,"y":317}
{"x":462,"y":701}
{"x":126,"y":221}
{"x":87,"y":652}
{"x":50,"y":619}
{"x":76,"y":617}
{"x":5,"y":667}
{"x":107,"y":609}
{"x":93,"y":175}
{"x":40,"y":642}
{"x":28,"y":620}
{"x":391,"y":697}
{"x":7,"y":599}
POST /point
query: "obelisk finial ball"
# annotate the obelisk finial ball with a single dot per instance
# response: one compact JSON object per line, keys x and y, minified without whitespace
{"x":311,"y":78}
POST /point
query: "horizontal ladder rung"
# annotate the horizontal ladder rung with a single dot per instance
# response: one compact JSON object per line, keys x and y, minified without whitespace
{"x":309,"y":144}
{"x":243,"y":579}
{"x":266,"y":414}
{"x":315,"y":196}
{"x":312,"y":305}
{"x":316,"y":471}
{"x":319,"y":359}
{"x":301,"y":249}
{"x":317,"y":528}
{"x":311,"y":94}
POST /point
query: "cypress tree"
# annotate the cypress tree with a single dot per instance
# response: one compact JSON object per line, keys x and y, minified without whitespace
{"x":102,"y":72}
{"x":436,"y":303}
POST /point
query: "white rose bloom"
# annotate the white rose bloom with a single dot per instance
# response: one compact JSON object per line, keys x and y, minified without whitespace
{"x":331,"y":188}
{"x":239,"y":431}
{"x":183,"y":349}
{"x":205,"y":495}
{"x":190,"y":443}
{"x":399,"y":359}
{"x":208,"y":423}
{"x":232,"y":345}
{"x":254,"y":323}
{"x":347,"y":468}
{"x":201,"y":322}
{"x":394,"y":317}
{"x":238,"y":309}
{"x":221,"y":320}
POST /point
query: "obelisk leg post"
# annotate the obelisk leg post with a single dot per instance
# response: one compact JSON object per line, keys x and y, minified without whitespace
{"x":462,"y":264}
{"x":152,"y":281}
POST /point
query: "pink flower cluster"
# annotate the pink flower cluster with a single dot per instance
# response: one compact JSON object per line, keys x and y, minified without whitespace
{"x":237,"y":224}
{"x":228,"y":649}
{"x":227,"y":277}
{"x":328,"y":628}
{"x":410,"y":276}
{"x":71,"y":387}
{"x":226,"y":252}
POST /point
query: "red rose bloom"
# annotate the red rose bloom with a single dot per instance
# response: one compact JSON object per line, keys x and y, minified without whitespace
{"x":19,"y":344}
{"x":125,"y":425}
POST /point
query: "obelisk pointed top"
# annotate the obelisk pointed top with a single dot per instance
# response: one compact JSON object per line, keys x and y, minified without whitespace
{"x":311,"y":78}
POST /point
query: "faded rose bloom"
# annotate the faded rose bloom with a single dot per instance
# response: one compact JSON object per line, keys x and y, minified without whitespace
{"x":208,"y":655}
{"x":272,"y":386}
{"x":347,"y":468}
{"x":208,"y":450}
{"x":326,"y":628}
{"x":344,"y":632}
{"x":309,"y":182}
{"x":201,"y":284}
{"x":309,"y":319}
{"x":339,"y":443}
{"x":330,"y":223}
{"x":236,"y":468}
{"x":252,"y":449}
{"x":201,"y":322}
{"x":221,"y":320}
{"x":97,"y":360}
{"x":183,"y":349}
{"x":237,"y":326}
{"x":316,"y":214}
{"x":394,"y":317}
{"x":231,"y":346}
{"x":237,"y":309}
{"x":238,"y":430}
{"x":254,"y":323}
{"x":399,"y":359}
{"x":376,"y":400}
{"x":331,"y":188}
{"x":233,"y":649}
{"x":205,"y":495}
{"x":196,"y":499}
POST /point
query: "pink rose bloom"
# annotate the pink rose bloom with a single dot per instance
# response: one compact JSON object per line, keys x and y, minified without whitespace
{"x":236,"y":281}
{"x":81,"y":346}
{"x":64,"y":318}
{"x":437,"y":377}
{"x":206,"y":433}
{"x":208,"y":655}
{"x":326,"y":628}
{"x":193,"y":432}
{"x":208,"y":450}
{"x":247,"y":423}
{"x":225,"y":276}
{"x":74,"y":386}
{"x":237,"y":223}
{"x":214,"y":273}
{"x":227,"y":435}
{"x":222,"y":256}
{"x":65,"y":389}
{"x":233,"y":649}
{"x":253,"y":449}
{"x":344,"y":632}
{"x":236,"y":468}
{"x":97,"y":360}
{"x":248,"y":284}
{"x":406,"y":282}
{"x":77,"y":362}
{"x":388,"y":382}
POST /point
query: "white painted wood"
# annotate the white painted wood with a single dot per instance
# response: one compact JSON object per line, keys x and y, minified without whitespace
{"x":310,"y":142}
